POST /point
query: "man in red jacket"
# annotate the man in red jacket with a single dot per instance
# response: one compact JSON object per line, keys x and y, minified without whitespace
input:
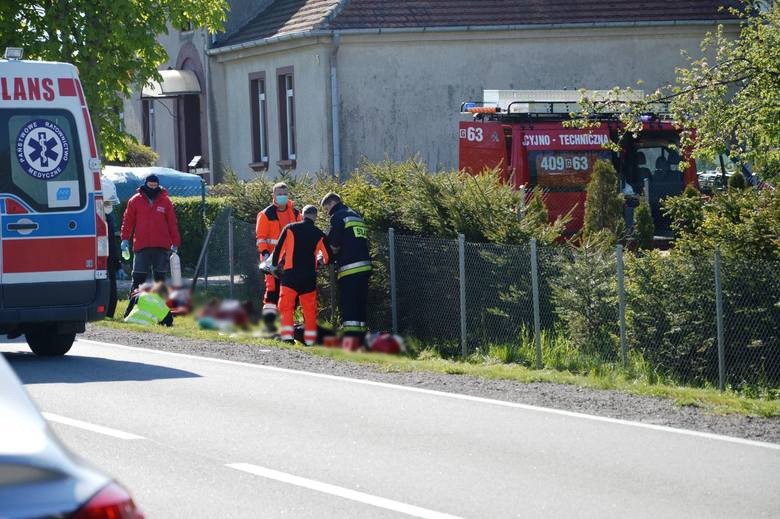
{"x":151,"y":220}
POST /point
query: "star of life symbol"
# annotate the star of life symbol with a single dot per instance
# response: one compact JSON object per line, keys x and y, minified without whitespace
{"x":42,"y":149}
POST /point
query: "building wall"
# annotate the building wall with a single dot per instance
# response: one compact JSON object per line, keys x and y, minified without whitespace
{"x":232,"y":130}
{"x":400,"y":93}
{"x":165,"y":109}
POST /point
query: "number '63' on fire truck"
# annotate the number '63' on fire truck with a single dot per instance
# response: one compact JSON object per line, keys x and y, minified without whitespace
{"x":521,"y":133}
{"x":53,"y":233}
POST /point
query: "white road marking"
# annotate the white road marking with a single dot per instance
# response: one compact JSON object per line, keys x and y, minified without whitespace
{"x":457,"y":396}
{"x":346,"y":493}
{"x":108,"y":431}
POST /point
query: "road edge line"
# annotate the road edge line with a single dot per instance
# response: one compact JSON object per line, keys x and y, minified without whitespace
{"x":457,"y":396}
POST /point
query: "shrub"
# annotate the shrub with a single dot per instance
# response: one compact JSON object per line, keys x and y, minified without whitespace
{"x":137,"y":155}
{"x":645,"y":230}
{"x":603,"y":203}
{"x":743,"y":223}
{"x":686,"y":211}
{"x":669,"y":315}
{"x":737,"y":181}
{"x":409,"y":198}
{"x":585,"y":297}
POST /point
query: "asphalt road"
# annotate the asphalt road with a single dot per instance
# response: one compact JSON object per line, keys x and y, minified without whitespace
{"x":196,"y":437}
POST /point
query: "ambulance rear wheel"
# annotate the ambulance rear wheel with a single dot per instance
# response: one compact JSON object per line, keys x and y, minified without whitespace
{"x":46,"y":342}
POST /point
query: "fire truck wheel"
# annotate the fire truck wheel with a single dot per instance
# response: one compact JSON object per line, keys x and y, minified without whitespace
{"x":46,"y":342}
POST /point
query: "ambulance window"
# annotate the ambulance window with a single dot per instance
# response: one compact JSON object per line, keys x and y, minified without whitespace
{"x":40,"y":158}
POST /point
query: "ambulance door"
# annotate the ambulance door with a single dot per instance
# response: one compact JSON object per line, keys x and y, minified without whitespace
{"x":48,"y":218}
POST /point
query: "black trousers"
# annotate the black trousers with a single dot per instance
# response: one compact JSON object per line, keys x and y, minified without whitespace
{"x":112,"y":295}
{"x":353,"y":302}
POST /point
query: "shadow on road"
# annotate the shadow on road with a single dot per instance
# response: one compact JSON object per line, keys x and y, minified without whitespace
{"x":73,"y":369}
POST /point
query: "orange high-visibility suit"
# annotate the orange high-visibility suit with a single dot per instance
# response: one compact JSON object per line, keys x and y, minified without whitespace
{"x":270,"y":222}
{"x":301,"y":247}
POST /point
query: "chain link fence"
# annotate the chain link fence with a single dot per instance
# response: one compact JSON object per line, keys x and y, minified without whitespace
{"x":665,"y":317}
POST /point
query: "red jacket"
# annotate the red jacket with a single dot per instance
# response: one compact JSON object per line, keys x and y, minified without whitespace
{"x":152,"y":223}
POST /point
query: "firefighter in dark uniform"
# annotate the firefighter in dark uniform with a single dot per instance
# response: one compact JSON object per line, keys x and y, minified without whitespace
{"x":348,"y":240}
{"x":300,"y":250}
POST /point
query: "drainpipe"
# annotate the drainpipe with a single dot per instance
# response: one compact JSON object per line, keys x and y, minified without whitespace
{"x":208,"y":108}
{"x":334,"y":107}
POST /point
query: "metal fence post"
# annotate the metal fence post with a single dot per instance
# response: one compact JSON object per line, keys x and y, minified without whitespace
{"x":230,"y":249}
{"x":719,"y":319}
{"x":203,"y":216}
{"x":621,"y":303}
{"x":462,"y":283}
{"x":393,"y":300}
{"x":535,"y":296}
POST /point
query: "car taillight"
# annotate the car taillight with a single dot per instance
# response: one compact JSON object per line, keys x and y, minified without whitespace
{"x":102,"y":235}
{"x":112,"y":502}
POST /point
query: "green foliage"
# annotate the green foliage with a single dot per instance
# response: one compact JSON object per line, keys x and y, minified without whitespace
{"x":669,"y":315}
{"x":737,"y":181}
{"x":412,"y":200}
{"x":670,"y":318}
{"x":603,"y":204}
{"x":744,"y":224}
{"x":190,"y":215}
{"x":136,"y":155}
{"x":584,"y":295}
{"x":730,"y":94}
{"x":643,"y":222}
{"x":192,"y":226}
{"x":112,"y":42}
{"x":686,"y":211}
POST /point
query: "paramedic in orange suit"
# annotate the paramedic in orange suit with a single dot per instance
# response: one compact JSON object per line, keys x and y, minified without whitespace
{"x":300,"y":250}
{"x":270,"y":222}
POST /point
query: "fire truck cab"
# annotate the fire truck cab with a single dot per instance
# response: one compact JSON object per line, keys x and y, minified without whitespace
{"x":521,"y":133}
{"x":53,"y":232}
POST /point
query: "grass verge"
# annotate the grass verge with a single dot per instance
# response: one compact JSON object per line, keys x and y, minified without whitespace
{"x":487,"y":367}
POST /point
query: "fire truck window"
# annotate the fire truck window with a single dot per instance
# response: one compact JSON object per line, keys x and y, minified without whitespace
{"x":43,"y":156}
{"x":563,"y":170}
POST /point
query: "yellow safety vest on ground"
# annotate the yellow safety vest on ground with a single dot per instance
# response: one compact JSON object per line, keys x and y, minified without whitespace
{"x":149,"y":309}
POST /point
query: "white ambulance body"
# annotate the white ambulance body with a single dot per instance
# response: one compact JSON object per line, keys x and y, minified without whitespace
{"x":53,"y":234}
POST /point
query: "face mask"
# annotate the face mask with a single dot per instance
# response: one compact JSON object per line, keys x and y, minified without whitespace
{"x":281,"y":199}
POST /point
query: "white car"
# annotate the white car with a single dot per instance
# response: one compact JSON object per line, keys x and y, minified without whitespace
{"x":39,"y":477}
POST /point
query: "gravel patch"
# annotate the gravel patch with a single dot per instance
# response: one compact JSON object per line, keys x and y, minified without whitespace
{"x":609,"y":403}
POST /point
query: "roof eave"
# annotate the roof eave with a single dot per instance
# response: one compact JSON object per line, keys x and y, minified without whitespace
{"x":464,"y":28}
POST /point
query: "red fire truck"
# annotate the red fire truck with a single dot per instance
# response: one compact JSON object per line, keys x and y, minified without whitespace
{"x":521,"y":133}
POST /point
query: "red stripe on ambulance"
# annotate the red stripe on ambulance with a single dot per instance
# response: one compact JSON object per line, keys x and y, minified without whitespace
{"x":44,"y":255}
{"x":87,"y":120}
{"x":66,"y":88}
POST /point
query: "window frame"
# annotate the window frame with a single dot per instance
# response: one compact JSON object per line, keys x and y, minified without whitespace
{"x":286,"y":98}
{"x":258,"y":101}
{"x":148,"y":123}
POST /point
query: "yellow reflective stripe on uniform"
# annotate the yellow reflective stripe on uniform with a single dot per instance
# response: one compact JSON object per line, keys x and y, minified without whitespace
{"x":354,"y":224}
{"x":350,"y":266}
{"x":356,"y":270}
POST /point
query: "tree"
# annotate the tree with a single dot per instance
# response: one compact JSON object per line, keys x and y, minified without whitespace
{"x":645,"y":230}
{"x":603,"y":203}
{"x":112,"y":42}
{"x":730,"y":95}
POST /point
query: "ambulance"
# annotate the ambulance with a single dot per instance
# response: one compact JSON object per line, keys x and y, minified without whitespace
{"x":522,"y":133}
{"x":53,"y":232}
